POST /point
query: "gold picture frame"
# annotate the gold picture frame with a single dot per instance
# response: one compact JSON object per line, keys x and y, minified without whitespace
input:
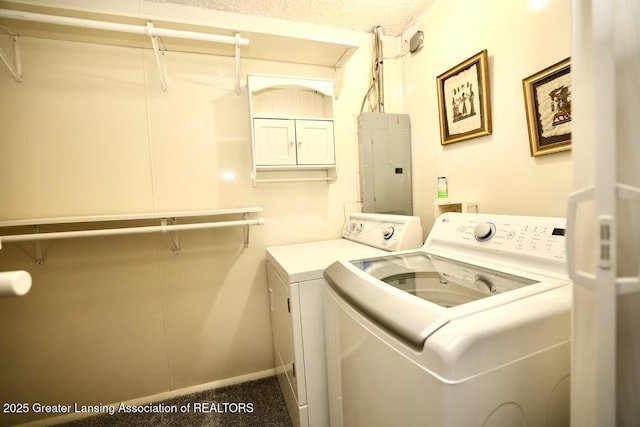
{"x":547,"y":99}
{"x":464,"y":100}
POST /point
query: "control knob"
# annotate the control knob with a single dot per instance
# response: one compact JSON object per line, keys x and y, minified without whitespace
{"x":387,"y":232}
{"x":484,"y":231}
{"x":355,"y":227}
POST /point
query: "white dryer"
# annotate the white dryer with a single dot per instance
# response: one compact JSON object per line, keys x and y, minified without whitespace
{"x":296,"y":284}
{"x":471,"y":330}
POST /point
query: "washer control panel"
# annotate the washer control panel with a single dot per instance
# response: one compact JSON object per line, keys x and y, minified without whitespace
{"x":540,"y":237}
{"x":388,"y":232}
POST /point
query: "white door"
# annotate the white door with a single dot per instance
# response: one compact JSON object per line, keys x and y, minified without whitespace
{"x":604,"y":213}
{"x":315,"y":142}
{"x":274,"y":142}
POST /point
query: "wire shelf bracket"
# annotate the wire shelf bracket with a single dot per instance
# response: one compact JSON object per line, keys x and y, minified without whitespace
{"x":15,"y":64}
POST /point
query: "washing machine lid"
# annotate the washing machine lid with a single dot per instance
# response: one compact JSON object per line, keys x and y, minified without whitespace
{"x":442,"y":281}
{"x":413,"y":294}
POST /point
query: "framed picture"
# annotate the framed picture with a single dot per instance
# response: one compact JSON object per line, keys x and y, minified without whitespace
{"x":464,"y":102}
{"x":547,"y":99}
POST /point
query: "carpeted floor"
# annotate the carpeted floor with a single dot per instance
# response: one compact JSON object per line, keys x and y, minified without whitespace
{"x":252,"y":404}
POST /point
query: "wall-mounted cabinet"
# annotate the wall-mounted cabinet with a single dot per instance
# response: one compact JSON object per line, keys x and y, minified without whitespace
{"x":291,"y":127}
{"x":291,"y":142}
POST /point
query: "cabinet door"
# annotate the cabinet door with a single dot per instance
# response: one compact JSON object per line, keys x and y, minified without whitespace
{"x":315,"y":142}
{"x":283,"y":334}
{"x":274,"y":142}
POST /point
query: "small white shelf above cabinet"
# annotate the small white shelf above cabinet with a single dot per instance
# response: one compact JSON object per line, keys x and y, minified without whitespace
{"x":291,"y":128}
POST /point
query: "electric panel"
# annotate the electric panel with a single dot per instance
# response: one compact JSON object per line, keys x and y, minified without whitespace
{"x":384,"y":141}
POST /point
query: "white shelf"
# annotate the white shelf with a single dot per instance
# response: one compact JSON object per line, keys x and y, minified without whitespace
{"x":129,"y":224}
{"x":295,"y":168}
{"x":267,"y":81}
{"x":195,"y":35}
{"x":454,"y":205}
{"x":289,"y":117}
{"x":127,"y":217}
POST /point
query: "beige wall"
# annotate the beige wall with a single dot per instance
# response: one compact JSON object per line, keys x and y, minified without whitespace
{"x":497,"y":170}
{"x":90,"y":132}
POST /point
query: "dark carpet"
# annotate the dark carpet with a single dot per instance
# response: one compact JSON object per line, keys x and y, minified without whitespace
{"x":256,"y":403}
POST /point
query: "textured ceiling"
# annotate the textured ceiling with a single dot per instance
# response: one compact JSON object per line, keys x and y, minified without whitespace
{"x":394,"y":16}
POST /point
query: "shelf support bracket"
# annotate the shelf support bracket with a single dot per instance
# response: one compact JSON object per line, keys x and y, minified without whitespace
{"x":15,"y":66}
{"x":237,"y":57}
{"x":38,"y":245}
{"x":173,"y":235}
{"x":245,"y":216}
{"x":158,"y":51}
{"x":339,"y":71}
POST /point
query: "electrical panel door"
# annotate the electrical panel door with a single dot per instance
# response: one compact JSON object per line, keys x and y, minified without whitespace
{"x":385,"y":163}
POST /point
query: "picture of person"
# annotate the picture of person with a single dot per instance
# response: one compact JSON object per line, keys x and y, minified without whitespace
{"x":463,"y":100}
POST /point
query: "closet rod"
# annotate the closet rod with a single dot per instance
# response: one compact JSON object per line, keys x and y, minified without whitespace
{"x":128,"y":230}
{"x":126,"y":28}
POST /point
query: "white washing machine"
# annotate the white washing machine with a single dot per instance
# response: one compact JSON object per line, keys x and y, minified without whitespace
{"x":295,"y":280}
{"x":473,"y":329}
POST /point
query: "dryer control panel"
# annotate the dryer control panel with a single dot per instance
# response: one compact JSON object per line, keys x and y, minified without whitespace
{"x":383,"y":231}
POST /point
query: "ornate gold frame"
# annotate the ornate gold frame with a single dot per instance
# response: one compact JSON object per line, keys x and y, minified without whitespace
{"x":549,"y":115}
{"x":462,"y":116}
